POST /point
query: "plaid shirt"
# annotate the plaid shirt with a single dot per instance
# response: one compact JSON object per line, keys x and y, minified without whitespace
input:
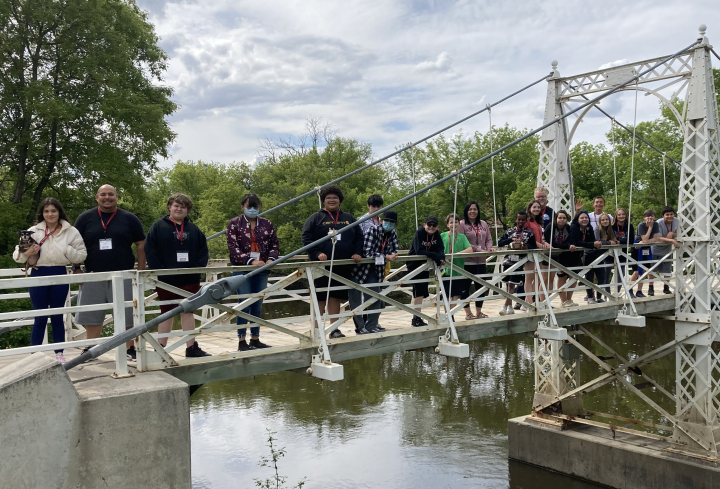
{"x":375,"y":237}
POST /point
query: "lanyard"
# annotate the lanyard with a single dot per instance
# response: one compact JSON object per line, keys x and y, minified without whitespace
{"x":585,"y":233}
{"x":450,"y":243}
{"x":335,"y":219}
{"x":105,"y":225}
{"x":560,"y":235}
{"x":476,"y":229}
{"x":180,"y":233}
{"x":47,"y":235}
{"x":382,"y":248}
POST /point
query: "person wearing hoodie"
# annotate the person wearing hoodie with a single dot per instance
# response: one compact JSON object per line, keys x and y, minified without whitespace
{"x":557,"y":234}
{"x":582,"y":235}
{"x":175,"y":242}
{"x":426,"y":242}
{"x":58,"y":244}
{"x":347,"y":245}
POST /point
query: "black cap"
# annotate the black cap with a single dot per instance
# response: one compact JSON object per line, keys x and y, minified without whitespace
{"x":430,"y":219}
{"x":389,"y":216}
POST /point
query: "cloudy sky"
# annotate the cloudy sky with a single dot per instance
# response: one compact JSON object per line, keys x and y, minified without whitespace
{"x":389,"y":72}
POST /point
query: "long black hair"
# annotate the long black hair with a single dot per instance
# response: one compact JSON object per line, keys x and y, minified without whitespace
{"x":467,"y":208}
{"x":54,"y":202}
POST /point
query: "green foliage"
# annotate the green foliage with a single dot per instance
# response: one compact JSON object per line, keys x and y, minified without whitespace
{"x":277,"y":481}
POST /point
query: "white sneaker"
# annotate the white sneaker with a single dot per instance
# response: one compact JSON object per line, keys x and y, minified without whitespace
{"x":503,"y":310}
{"x":592,"y":301}
{"x":569,"y":303}
{"x":60,"y":358}
{"x":509,"y":311}
{"x":524,"y":308}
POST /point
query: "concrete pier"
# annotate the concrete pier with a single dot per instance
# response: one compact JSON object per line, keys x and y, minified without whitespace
{"x":618,"y":460}
{"x":92,"y":431}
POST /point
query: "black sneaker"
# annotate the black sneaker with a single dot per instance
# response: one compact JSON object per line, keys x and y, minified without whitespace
{"x":362,"y":331}
{"x":258,"y":344}
{"x":651,"y":291}
{"x":378,"y":329}
{"x":242,"y":345}
{"x":639,"y":294}
{"x":417,"y":322}
{"x":632,"y":294}
{"x":195,"y":351}
{"x":336,"y":334}
{"x":666,"y":290}
{"x":131,"y":354}
{"x":517,"y":307}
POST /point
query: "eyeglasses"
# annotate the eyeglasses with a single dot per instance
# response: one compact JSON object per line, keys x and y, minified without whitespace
{"x":432,"y":224}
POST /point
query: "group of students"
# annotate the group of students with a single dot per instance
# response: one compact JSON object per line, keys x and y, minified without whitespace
{"x":102,"y":238}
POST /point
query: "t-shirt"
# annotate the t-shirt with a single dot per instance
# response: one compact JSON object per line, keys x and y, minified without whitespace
{"x":662,"y":249}
{"x":641,"y":230}
{"x":594,"y":218}
{"x":461,"y":243}
{"x":115,"y":251}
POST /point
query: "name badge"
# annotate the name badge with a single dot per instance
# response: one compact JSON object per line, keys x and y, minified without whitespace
{"x":183,"y":256}
{"x":646,"y":252}
{"x":255,"y":255}
{"x":106,"y":244}
{"x":380,"y":260}
{"x":339,"y":237}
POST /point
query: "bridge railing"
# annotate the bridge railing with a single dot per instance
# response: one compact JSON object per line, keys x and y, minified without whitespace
{"x":293,"y":282}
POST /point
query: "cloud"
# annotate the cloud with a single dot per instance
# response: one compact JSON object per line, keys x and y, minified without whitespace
{"x":442,"y":63}
{"x":613,"y":64}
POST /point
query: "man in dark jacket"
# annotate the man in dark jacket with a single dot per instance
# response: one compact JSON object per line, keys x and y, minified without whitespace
{"x":426,"y":242}
{"x":347,"y":245}
{"x":175,"y":242}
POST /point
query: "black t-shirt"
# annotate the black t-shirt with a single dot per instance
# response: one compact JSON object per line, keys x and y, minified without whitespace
{"x":123,"y":230}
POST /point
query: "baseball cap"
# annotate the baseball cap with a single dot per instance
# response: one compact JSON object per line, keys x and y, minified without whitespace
{"x":431,"y":219}
{"x":390,"y":216}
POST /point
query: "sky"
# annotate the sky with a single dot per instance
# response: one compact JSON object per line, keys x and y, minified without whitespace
{"x":392,"y":71}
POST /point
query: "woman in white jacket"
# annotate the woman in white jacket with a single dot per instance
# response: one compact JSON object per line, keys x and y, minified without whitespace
{"x":59,"y":244}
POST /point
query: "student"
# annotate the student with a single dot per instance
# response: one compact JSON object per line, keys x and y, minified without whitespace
{"x":251,"y":240}
{"x":598,"y":206}
{"x":541,"y":195}
{"x":667,"y":235}
{"x":535,"y":224}
{"x":583,"y":236}
{"x":560,"y":240}
{"x":477,"y":232}
{"x":426,"y":242}
{"x":109,"y":233}
{"x":175,"y":242}
{"x":58,"y":245}
{"x":624,"y":231}
{"x":381,"y":243}
{"x":454,"y":284}
{"x":647,"y":232}
{"x":518,"y":238}
{"x":374,"y":204}
{"x":348,"y":245}
{"x":605,"y":234}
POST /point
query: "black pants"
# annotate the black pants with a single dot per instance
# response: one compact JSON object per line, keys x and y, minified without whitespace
{"x":475,"y":269}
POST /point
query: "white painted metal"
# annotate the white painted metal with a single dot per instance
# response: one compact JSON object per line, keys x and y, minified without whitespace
{"x":121,"y":370}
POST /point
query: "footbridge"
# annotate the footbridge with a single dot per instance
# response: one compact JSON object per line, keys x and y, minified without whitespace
{"x":558,"y":432}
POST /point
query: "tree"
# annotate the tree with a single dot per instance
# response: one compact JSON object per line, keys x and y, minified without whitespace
{"x":80,"y":100}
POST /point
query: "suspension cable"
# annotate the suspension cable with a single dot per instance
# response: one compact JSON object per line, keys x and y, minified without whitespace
{"x":394,"y":153}
{"x":412,"y":164}
{"x":452,"y":239}
{"x":492,"y":172}
{"x":664,"y":179}
{"x":614,"y":150}
{"x":632,"y":174}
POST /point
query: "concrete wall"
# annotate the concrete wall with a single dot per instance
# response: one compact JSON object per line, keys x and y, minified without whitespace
{"x":99,"y":432}
{"x":624,"y":462}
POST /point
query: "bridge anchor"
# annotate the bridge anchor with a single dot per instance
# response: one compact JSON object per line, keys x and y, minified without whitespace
{"x":452,"y":349}
{"x":325,"y":370}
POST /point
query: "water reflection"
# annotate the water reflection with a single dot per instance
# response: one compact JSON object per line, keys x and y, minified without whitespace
{"x":398,"y":420}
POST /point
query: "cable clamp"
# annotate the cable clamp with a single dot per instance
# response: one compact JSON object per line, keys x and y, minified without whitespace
{"x":488,"y":107}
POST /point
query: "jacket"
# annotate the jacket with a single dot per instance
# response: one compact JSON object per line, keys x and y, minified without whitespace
{"x":239,"y":240}
{"x":624,"y":232}
{"x":427,"y":245}
{"x":373,"y":247}
{"x":62,"y":248}
{"x":560,"y":238}
{"x":526,"y":235}
{"x":479,"y":237}
{"x":319,"y":225}
{"x":163,"y":247}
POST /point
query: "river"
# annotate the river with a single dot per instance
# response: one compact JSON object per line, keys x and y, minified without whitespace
{"x":401,"y":420}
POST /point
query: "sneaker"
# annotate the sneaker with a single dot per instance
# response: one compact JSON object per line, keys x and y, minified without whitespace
{"x":378,"y":329}
{"x":242,"y":345}
{"x":336,"y":334}
{"x":503,"y":310}
{"x":362,"y":331}
{"x":516,"y":307}
{"x":60,"y":358}
{"x":417,"y":322}
{"x":569,"y":303}
{"x":195,"y":351}
{"x":510,"y":311}
{"x":586,"y":298}
{"x":639,"y":294}
{"x":599,"y":300}
{"x":258,"y":344}
{"x":591,"y":301}
{"x":632,"y":294}
{"x":131,"y":354}
{"x":666,"y":290}
{"x":524,"y":308}
{"x":651,"y":291}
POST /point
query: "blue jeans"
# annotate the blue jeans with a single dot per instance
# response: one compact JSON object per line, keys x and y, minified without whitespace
{"x":46,"y":296}
{"x":356,"y":299}
{"x":255,"y":284}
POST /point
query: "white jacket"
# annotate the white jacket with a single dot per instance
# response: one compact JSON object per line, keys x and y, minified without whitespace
{"x":63,"y":248}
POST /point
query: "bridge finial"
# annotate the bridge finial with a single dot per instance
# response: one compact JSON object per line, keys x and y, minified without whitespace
{"x":702,"y":29}
{"x":554,"y":64}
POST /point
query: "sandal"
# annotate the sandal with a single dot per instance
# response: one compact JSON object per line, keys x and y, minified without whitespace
{"x":482,"y":316}
{"x":470,"y":316}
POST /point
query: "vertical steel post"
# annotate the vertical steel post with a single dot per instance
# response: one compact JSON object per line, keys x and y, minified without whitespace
{"x":139,"y":318}
{"x":697,"y":389}
{"x":118,"y":290}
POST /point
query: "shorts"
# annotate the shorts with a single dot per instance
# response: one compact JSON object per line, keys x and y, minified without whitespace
{"x":166,"y":295}
{"x":344,"y":271}
{"x":569,"y":260}
{"x":515,"y":278}
{"x":100,"y":293}
{"x":460,"y":286}
{"x":664,"y":267}
{"x":421,"y":289}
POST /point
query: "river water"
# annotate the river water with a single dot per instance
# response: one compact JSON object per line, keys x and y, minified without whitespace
{"x":401,"y":420}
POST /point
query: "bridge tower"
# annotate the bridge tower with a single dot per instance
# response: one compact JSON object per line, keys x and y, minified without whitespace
{"x":697,"y":388}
